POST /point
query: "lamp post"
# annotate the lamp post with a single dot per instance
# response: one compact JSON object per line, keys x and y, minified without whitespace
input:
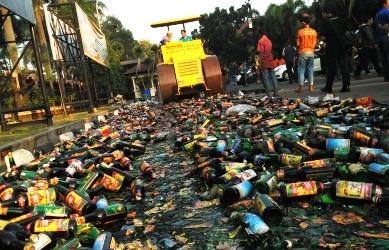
{"x":97,"y":12}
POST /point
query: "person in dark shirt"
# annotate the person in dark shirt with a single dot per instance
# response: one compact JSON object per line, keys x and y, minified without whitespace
{"x":335,"y":53}
{"x":382,"y":18}
{"x":289,"y":53}
{"x":367,"y":49}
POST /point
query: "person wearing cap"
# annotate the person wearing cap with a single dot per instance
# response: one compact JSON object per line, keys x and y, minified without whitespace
{"x":166,"y":38}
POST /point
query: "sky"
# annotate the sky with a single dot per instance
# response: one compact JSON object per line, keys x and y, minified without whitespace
{"x":137,"y":16}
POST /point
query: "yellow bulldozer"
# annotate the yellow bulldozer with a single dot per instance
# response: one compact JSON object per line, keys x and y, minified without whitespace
{"x":184,"y":69}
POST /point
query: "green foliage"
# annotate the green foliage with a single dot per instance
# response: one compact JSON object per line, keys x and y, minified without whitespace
{"x":219,"y":32}
{"x":115,"y":32}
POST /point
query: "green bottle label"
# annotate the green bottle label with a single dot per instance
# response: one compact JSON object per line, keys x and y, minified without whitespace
{"x":114,"y":209}
{"x":28,"y":175}
{"x":52,"y":211}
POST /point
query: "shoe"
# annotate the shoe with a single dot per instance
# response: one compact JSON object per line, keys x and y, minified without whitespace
{"x":380,"y":75}
{"x":311,"y":88}
{"x":345,"y":88}
{"x":325,"y":90}
{"x":357,"y":77}
{"x":300,"y":89}
{"x":368,"y":73}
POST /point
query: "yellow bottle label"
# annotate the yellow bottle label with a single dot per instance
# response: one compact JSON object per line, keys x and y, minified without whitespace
{"x":356,"y":190}
{"x":189,"y":145}
{"x":301,"y":189}
{"x":288,"y":159}
{"x":41,"y":184}
{"x":76,"y":201}
{"x":360,"y":137}
{"x":111,"y":183}
{"x":40,"y":197}
{"x":7,"y":194}
{"x":199,"y":136}
{"x":51,"y":225}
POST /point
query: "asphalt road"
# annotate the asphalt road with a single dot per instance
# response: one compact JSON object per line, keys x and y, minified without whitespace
{"x":368,"y":86}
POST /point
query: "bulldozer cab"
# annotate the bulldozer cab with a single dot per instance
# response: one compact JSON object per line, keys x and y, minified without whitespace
{"x":184,"y":68}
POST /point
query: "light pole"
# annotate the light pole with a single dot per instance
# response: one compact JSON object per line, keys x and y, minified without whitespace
{"x":97,"y":12}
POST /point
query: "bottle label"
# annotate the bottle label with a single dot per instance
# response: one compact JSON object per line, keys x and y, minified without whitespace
{"x":256,"y":225}
{"x":317,"y":163}
{"x":100,"y":244}
{"x":51,"y":211}
{"x":356,"y":190}
{"x":118,"y":176}
{"x":288,"y":159}
{"x":114,"y":210}
{"x":221,"y":145}
{"x":369,"y":154}
{"x":235,"y":165}
{"x":111,"y":183}
{"x":7,"y":193}
{"x":244,"y":189}
{"x":41,"y":184}
{"x":189,"y":145}
{"x":51,"y":225}
{"x":28,"y":175}
{"x":302,"y":148}
{"x":332,"y":143}
{"x":378,"y":168}
{"x":76,"y":201}
{"x":358,"y":136}
{"x":247,"y":175}
{"x":341,"y":153}
{"x":272,"y":183}
{"x":355,"y":168}
{"x":301,"y":189}
{"x":199,"y":136}
{"x":260,"y":205}
{"x":43,"y":240}
{"x":40,"y":197}
{"x":231,"y":173}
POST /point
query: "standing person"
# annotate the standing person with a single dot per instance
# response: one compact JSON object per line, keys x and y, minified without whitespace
{"x":232,"y":73}
{"x":264,"y":48}
{"x":306,"y":43}
{"x":184,"y":37}
{"x":289,"y":54}
{"x":367,"y":48}
{"x":243,"y":73}
{"x":335,"y":53}
{"x":382,"y":18}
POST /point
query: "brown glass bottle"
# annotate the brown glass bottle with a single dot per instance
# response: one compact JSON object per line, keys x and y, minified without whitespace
{"x":76,"y":200}
{"x":58,"y":228}
{"x":104,"y":215}
{"x":147,"y":170}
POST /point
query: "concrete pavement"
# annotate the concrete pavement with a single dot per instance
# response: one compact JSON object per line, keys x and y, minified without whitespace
{"x":368,"y":86}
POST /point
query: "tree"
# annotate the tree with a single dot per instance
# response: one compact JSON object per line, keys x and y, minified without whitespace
{"x":219,"y":32}
{"x":114,"y":31}
{"x":281,"y":22}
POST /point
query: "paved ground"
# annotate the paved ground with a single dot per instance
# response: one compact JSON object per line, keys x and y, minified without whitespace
{"x":368,"y":86}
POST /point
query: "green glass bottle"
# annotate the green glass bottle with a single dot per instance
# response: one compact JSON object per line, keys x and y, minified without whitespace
{"x":268,"y":209}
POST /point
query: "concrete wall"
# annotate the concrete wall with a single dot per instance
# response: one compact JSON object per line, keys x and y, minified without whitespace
{"x":47,"y":139}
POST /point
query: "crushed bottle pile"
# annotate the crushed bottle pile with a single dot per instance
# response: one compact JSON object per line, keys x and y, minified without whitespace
{"x":210,"y":173}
